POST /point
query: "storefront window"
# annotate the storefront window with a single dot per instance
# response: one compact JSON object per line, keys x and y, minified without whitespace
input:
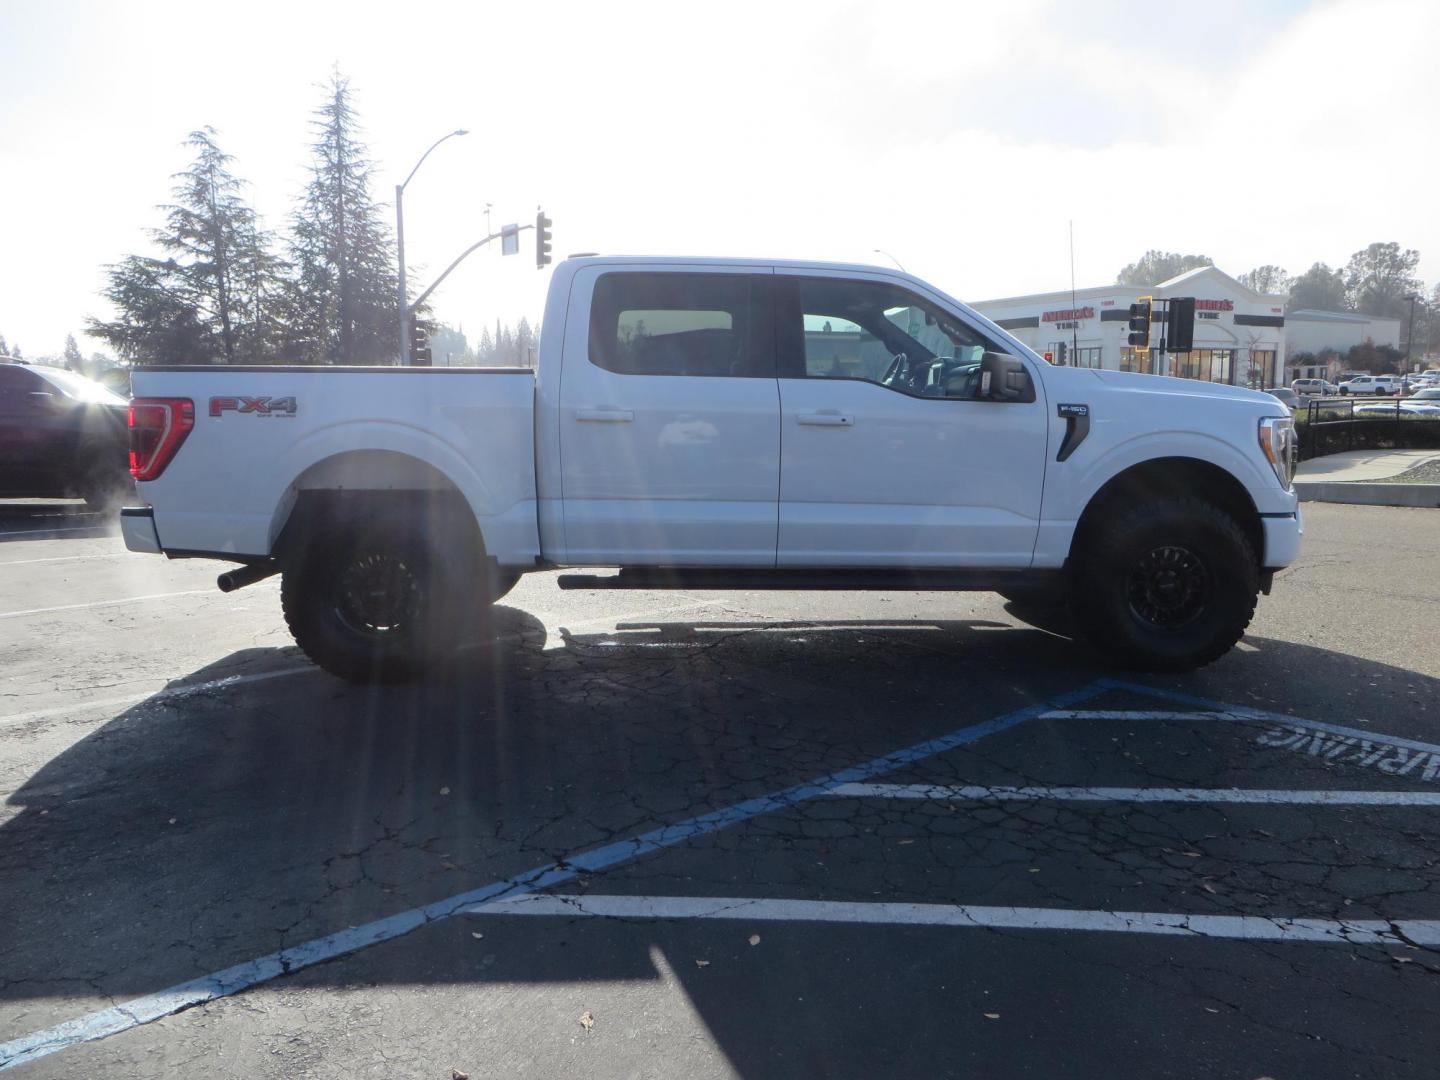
{"x":1262,"y":363}
{"x":1206,"y":365}
{"x":1088,"y":357}
{"x":1134,"y":359}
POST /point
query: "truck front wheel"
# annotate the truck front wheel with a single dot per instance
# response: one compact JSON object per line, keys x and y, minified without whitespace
{"x":1166,"y":586}
{"x":371,"y":601}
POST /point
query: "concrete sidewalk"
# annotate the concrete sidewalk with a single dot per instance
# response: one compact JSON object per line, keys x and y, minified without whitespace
{"x":1370,"y":465}
{"x":1358,"y":476}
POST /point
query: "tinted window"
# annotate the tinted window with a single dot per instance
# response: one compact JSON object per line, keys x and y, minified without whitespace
{"x":880,"y":333}
{"x":681,"y":324}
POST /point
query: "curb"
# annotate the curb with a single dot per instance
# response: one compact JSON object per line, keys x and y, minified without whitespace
{"x":1338,"y":491}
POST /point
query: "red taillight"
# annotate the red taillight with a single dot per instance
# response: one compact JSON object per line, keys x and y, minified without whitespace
{"x":157,"y":428}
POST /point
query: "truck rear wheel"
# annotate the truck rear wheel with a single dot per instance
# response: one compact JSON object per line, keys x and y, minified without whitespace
{"x":1166,"y":586}
{"x":370,"y":600}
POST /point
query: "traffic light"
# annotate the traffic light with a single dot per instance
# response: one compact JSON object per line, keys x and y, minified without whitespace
{"x":1140,"y":324}
{"x":1180,"y":332}
{"x":1063,"y":353}
{"x":542,"y":240}
{"x":419,"y":343}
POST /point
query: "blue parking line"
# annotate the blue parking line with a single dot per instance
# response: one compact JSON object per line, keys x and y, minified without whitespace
{"x":233,"y":980}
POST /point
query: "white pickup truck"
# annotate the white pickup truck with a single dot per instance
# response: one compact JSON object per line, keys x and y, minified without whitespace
{"x":721,"y":423}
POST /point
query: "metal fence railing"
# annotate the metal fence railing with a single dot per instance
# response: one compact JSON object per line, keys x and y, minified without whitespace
{"x":1331,"y":425}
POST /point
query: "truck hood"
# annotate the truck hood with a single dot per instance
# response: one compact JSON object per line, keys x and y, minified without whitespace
{"x":1136,"y":382}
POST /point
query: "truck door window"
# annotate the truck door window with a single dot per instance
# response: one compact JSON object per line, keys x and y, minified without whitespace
{"x":681,"y":324}
{"x":880,"y":333}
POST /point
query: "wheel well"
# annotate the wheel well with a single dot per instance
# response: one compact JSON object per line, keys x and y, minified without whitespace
{"x":1162,"y":477}
{"x":377,"y":482}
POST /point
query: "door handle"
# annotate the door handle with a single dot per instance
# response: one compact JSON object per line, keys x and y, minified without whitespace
{"x":606,"y":414}
{"x":826,"y":419}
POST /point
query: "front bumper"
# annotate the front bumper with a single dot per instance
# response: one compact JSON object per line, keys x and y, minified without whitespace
{"x":1282,"y":538}
{"x":137,"y":526}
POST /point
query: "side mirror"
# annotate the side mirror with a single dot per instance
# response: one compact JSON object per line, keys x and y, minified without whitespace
{"x":1005,"y":378}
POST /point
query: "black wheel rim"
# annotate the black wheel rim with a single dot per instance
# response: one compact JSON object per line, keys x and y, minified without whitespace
{"x":378,"y":595}
{"x":1169,"y":587}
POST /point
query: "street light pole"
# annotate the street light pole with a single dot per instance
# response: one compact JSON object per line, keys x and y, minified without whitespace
{"x":882,"y":251}
{"x":402,"y":303}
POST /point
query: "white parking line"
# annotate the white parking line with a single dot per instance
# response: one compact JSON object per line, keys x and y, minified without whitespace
{"x":1001,"y":793}
{"x":159,"y":696}
{"x":105,"y":603}
{"x":741,"y":909}
{"x":51,"y":532}
{"x":262,"y":969}
{"x":65,"y":558}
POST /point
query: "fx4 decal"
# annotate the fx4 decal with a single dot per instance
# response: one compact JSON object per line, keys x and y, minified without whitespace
{"x":260,"y":406}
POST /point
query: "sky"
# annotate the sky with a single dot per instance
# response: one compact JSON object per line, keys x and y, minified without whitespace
{"x":961,"y":138}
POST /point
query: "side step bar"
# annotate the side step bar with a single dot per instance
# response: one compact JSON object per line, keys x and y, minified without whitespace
{"x":837,"y":579}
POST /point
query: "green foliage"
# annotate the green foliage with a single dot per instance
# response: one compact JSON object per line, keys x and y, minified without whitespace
{"x":341,"y":297}
{"x":1156,"y":266}
{"x":71,"y":357}
{"x":1268,"y":279}
{"x":1319,"y":288}
{"x":1379,"y":278}
{"x":214,"y":298}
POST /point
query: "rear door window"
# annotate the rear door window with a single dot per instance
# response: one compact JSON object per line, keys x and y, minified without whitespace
{"x":682,"y":324}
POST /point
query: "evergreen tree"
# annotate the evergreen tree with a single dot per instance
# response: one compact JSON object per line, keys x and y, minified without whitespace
{"x":485,"y":351}
{"x":342,"y":304}
{"x":72,"y":359}
{"x":213,"y":300}
{"x":524,"y":342}
{"x":4,"y":348}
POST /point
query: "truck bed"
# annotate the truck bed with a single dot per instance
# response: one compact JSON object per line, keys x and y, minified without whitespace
{"x":262,"y":434}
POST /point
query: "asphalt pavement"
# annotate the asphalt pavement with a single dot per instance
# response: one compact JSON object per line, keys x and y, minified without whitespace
{"x":717,"y":834}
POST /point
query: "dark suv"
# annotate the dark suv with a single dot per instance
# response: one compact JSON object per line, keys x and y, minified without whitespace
{"x":61,"y":436}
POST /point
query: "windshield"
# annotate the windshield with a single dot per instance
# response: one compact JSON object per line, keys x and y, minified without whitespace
{"x":77,"y":387}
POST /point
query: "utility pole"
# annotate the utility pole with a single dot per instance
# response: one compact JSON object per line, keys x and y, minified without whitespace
{"x":1410,"y":334}
{"x":401,"y":302}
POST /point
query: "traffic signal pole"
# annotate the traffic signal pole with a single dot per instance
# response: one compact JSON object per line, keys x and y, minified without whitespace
{"x":542,"y":257}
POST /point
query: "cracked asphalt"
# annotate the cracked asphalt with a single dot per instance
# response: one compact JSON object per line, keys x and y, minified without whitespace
{"x":184,"y":794}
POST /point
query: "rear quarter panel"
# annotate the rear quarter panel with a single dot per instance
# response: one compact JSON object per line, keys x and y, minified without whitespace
{"x":231,"y":485}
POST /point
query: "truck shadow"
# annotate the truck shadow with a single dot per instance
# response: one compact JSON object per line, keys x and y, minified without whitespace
{"x":219,"y":821}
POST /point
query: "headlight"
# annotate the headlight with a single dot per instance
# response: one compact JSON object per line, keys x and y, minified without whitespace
{"x":1277,"y":441}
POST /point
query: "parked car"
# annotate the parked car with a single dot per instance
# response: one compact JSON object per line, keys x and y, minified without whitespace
{"x":1371,"y":385}
{"x":929,"y":449}
{"x":61,"y":436}
{"x":1288,"y":397}
{"x":1313,"y":387}
{"x":1424,"y":402}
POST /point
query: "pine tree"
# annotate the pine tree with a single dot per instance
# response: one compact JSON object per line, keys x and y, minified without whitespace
{"x":485,"y":351}
{"x":342,"y":298}
{"x":213,"y":299}
{"x":72,"y":358}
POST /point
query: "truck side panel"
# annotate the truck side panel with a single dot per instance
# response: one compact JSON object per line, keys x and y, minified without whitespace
{"x":230,"y":487}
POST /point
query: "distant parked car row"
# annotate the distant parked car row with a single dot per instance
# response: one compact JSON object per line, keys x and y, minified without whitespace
{"x":1367,"y":385}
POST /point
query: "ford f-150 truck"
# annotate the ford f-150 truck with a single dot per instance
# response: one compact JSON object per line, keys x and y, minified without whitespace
{"x":722,"y":423}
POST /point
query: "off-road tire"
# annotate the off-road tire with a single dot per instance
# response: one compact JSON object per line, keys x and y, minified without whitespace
{"x":1163,"y":586}
{"x":372,"y":600}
